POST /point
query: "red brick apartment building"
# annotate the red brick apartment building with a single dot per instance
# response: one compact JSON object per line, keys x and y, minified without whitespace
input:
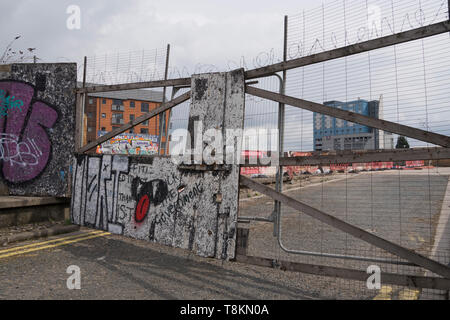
{"x":106,"y":111}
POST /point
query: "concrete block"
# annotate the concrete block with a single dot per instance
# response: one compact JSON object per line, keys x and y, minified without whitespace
{"x":154,"y":199}
{"x":37,"y":125}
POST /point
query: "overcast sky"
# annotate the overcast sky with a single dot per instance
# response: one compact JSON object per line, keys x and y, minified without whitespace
{"x":207,"y":31}
{"x":412,"y":79}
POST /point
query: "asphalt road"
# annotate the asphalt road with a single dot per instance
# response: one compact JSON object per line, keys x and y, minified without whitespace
{"x":114,"y":267}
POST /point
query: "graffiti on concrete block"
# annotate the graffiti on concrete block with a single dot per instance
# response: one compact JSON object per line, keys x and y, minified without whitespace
{"x":8,"y":103}
{"x":146,"y":193}
{"x":153,"y":201}
{"x":25,"y":147}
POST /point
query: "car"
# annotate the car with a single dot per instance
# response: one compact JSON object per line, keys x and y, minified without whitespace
{"x":259,"y":176}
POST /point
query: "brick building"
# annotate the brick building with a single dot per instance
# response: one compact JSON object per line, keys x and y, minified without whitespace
{"x":106,"y":111}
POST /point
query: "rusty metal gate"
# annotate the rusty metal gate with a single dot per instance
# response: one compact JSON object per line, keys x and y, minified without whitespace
{"x":417,"y":270}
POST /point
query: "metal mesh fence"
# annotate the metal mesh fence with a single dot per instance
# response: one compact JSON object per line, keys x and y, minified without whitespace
{"x":409,"y":78}
{"x":406,"y":203}
{"x":125,"y":67}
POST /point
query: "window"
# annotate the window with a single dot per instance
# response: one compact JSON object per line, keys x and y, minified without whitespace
{"x":145,"y":123}
{"x":90,"y":115}
{"x":104,"y":101}
{"x":131,"y":130}
{"x":117,"y":118}
{"x":132,"y":117}
{"x":91,"y":101}
{"x":144,"y":107}
{"x":103,"y":115}
{"x":90,"y":129}
{"x":103,"y":129}
{"x":144,"y":131}
{"x":117,"y":102}
{"x":132,"y":104}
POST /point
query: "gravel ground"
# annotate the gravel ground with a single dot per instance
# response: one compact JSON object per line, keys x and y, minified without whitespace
{"x":403,"y":207}
{"x":115,"y":267}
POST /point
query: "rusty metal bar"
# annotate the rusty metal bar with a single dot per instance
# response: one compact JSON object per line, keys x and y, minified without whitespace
{"x":363,"y":156}
{"x":137,"y":85}
{"x":406,"y":36}
{"x":359,"y":233}
{"x":384,"y":125}
{"x":131,"y":124}
{"x":79,"y":111}
{"x":320,"y":270}
{"x":163,"y":101}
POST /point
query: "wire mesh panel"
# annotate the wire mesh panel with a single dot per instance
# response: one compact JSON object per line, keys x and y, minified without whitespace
{"x":125,"y":67}
{"x":405,"y":202}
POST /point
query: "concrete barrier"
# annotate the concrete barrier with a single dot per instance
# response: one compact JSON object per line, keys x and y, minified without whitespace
{"x":37,"y":125}
{"x":154,"y":198}
{"x":16,"y":211}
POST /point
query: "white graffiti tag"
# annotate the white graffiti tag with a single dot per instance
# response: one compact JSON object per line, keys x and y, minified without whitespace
{"x":24,"y":153}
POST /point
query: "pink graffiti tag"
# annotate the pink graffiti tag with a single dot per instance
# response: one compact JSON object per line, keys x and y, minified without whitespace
{"x":25,"y":147}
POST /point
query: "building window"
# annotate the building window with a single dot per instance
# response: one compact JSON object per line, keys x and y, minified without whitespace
{"x":117,"y":102}
{"x":132,"y":104}
{"x":144,"y":131}
{"x":117,"y":118}
{"x":103,"y":115}
{"x":103,"y":129}
{"x":131,"y":130}
{"x":132,"y":117}
{"x":90,"y":129}
{"x":145,"y":123}
{"x":90,"y":115}
{"x":144,"y":107}
{"x":104,"y":101}
{"x":91,"y":101}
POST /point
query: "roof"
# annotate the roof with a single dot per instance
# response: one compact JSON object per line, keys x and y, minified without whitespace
{"x":136,"y":94}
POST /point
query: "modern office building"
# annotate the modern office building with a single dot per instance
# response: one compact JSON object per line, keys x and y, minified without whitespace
{"x":336,"y":134}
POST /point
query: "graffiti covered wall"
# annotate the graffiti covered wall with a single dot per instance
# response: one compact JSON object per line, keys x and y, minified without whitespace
{"x":37,"y":122}
{"x":155,"y":199}
{"x":129,"y":143}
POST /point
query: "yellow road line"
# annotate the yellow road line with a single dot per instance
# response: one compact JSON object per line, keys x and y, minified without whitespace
{"x":49,"y":241}
{"x":409,"y":294}
{"x":385,"y":293}
{"x":54,"y":245}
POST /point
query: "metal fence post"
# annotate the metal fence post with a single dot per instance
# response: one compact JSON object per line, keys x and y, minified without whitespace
{"x":281,"y":116}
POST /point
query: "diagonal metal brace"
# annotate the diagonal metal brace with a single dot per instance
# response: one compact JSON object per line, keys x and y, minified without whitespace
{"x":359,"y":233}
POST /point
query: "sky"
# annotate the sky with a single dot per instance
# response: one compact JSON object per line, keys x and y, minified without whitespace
{"x":206,"y":31}
{"x":212,"y":35}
